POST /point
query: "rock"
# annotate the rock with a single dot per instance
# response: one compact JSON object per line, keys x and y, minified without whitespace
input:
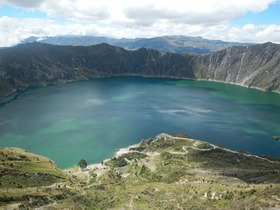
{"x":37,"y":64}
{"x":276,"y":138}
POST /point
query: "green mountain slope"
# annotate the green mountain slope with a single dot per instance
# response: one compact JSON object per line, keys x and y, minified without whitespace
{"x":28,"y":180}
{"x":163,"y":172}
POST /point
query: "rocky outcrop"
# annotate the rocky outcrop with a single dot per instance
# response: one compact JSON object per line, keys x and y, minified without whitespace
{"x":36,"y":64}
{"x":256,"y":66}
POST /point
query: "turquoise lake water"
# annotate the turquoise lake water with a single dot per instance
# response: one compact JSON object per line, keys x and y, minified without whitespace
{"x":93,"y":119}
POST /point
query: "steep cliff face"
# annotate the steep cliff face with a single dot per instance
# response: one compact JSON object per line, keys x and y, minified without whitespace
{"x":255,"y":66}
{"x":36,"y":64}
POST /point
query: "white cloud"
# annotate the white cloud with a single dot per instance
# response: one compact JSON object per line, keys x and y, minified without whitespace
{"x":23,"y":3}
{"x":198,"y":12}
{"x":138,"y":18}
{"x":146,"y":11}
{"x":75,"y":10}
{"x":14,"y":30}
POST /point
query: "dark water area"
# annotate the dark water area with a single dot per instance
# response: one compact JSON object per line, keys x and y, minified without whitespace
{"x":93,"y":119}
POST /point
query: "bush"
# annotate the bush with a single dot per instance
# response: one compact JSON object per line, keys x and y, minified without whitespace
{"x":82,"y":163}
{"x":118,"y":162}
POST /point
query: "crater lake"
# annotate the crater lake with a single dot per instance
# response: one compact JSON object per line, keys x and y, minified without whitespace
{"x":92,"y":119}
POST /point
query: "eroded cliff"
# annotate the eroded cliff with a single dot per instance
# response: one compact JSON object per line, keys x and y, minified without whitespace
{"x":36,"y":64}
{"x":255,"y":66}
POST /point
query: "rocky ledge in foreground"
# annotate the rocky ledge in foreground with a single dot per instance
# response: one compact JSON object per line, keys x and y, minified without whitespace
{"x":164,"y":172}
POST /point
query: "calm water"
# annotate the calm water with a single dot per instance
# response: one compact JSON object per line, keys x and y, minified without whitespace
{"x":92,"y":119}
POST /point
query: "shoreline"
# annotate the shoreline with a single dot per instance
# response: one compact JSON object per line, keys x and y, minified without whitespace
{"x":61,"y":82}
{"x":100,"y":168}
{"x":97,"y":168}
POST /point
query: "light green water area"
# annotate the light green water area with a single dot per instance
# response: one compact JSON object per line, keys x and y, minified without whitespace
{"x":93,"y":119}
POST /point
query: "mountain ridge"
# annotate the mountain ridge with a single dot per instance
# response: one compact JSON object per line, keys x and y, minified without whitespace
{"x":174,"y":44}
{"x":36,"y":64}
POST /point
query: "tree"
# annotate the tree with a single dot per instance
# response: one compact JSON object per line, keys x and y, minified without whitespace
{"x":82,"y":163}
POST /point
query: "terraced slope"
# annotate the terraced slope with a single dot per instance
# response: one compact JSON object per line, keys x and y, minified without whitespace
{"x":163,"y":172}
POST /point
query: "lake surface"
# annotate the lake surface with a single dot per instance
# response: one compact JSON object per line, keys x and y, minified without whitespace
{"x":93,"y":119}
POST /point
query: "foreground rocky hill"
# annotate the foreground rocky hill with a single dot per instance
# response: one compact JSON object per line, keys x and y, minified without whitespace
{"x":28,"y":179}
{"x":163,"y":172}
{"x":36,"y":64}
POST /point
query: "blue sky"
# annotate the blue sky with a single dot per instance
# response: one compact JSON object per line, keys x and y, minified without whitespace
{"x":268,"y":16}
{"x":232,"y":20}
{"x":17,"y":12}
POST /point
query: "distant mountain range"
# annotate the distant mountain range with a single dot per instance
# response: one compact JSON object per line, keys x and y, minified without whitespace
{"x":173,"y":44}
{"x":35,"y":64}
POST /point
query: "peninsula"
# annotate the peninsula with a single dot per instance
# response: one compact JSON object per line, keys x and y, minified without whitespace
{"x":164,"y":172}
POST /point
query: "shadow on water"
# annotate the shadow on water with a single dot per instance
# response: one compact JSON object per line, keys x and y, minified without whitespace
{"x":14,"y":96}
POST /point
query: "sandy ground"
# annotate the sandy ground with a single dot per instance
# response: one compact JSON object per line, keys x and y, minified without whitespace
{"x":85,"y":174}
{"x":98,"y":169}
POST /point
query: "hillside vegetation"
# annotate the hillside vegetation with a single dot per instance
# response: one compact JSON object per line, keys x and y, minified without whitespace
{"x":37,"y":64}
{"x":163,"y":172}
